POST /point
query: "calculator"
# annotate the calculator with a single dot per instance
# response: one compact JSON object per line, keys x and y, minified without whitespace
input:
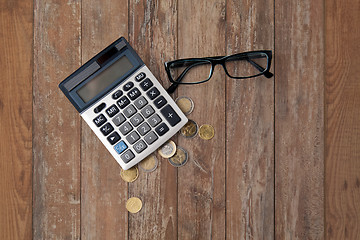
{"x":123,"y":103}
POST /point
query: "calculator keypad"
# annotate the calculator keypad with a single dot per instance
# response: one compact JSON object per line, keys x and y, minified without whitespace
{"x":135,"y":119}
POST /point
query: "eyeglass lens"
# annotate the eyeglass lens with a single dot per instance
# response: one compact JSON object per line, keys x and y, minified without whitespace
{"x":246,"y":66}
{"x":186,"y":71}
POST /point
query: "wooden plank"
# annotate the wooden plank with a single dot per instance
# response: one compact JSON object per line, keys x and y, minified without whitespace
{"x":342,"y":117}
{"x":103,"y":192}
{"x":16,"y":119}
{"x":250,"y":127}
{"x":153,"y":35}
{"x":201,"y":182}
{"x":56,"y":123}
{"x":299,"y":119}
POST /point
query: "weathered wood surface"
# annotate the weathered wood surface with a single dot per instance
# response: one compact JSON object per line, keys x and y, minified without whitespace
{"x":299,"y":119}
{"x":260,"y":177}
{"x":249,"y":127}
{"x":16,"y":32}
{"x":56,"y":125}
{"x":342,"y":98}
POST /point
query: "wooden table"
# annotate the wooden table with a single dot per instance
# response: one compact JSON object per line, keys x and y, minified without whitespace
{"x":284,"y":162}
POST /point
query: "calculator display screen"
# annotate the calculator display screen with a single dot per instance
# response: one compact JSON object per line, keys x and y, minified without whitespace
{"x":104,"y":79}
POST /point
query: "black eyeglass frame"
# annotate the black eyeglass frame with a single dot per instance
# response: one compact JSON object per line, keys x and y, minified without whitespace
{"x":219,"y":60}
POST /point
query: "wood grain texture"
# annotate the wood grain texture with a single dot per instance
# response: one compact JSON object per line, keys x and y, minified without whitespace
{"x":299,"y":120}
{"x":342,"y":95}
{"x":201,"y":182}
{"x":152,"y":31}
{"x":103,"y":192}
{"x":56,"y":124}
{"x":249,"y":127}
{"x":16,"y":25}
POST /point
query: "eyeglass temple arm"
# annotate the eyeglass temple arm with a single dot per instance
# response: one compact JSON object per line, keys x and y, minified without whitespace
{"x":260,"y":68}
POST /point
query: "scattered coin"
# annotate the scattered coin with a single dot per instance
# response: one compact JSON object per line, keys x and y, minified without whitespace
{"x":168,"y":149}
{"x":190,"y":129}
{"x":134,"y":204}
{"x":149,"y":164}
{"x":185,"y":104}
{"x":129,"y":175}
{"x":206,"y":131}
{"x":180,"y":157}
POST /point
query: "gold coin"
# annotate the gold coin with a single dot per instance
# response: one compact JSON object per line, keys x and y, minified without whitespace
{"x":190,"y":129}
{"x":134,"y":204}
{"x":168,"y":149}
{"x":185,"y":104}
{"x":129,"y":175}
{"x":206,"y":132}
{"x":149,"y":163}
{"x":180,"y":157}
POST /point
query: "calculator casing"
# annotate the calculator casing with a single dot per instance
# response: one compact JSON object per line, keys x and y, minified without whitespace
{"x":71,"y":85}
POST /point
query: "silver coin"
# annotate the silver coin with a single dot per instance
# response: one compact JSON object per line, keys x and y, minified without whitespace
{"x":180,"y":158}
{"x":186,"y":104}
{"x":190,"y":129}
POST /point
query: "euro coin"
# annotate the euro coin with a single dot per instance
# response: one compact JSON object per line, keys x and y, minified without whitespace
{"x":180,"y":157}
{"x":206,"y":131}
{"x":190,"y":129}
{"x":168,"y":149}
{"x":185,"y":104}
{"x":129,"y":175}
{"x":134,"y":204}
{"x":149,"y":164}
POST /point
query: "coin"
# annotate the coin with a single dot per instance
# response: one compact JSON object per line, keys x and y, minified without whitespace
{"x":134,"y":204}
{"x":180,"y":157}
{"x":206,"y":131}
{"x":185,"y":104}
{"x":190,"y":129}
{"x":129,"y":175}
{"x":149,"y":164}
{"x":168,"y":149}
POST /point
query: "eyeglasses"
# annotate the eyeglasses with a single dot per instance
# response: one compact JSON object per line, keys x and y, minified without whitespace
{"x":237,"y":66}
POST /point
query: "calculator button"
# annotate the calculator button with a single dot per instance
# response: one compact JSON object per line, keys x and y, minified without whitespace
{"x":170,"y":115}
{"x":128,"y":86}
{"x":140,"y":102}
{"x":132,"y":137}
{"x":112,"y":110}
{"x":154,"y":120}
{"x":99,"y":108}
{"x":147,"y":111}
{"x":162,"y":129}
{"x":106,"y":129}
{"x":117,"y":94}
{"x":113,"y":138}
{"x":120,"y":147}
{"x":99,"y":120}
{"x":146,"y":84}
{"x":153,"y":93}
{"x":125,"y":128}
{"x":129,"y":111}
{"x":123,"y":102}
{"x":136,"y":120}
{"x":160,"y":102}
{"x":127,"y":156}
{"x":134,"y":93}
{"x":140,"y":146}
{"x":140,"y":76}
{"x":150,"y":138}
{"x":143,"y":129}
{"x":118,"y":119}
